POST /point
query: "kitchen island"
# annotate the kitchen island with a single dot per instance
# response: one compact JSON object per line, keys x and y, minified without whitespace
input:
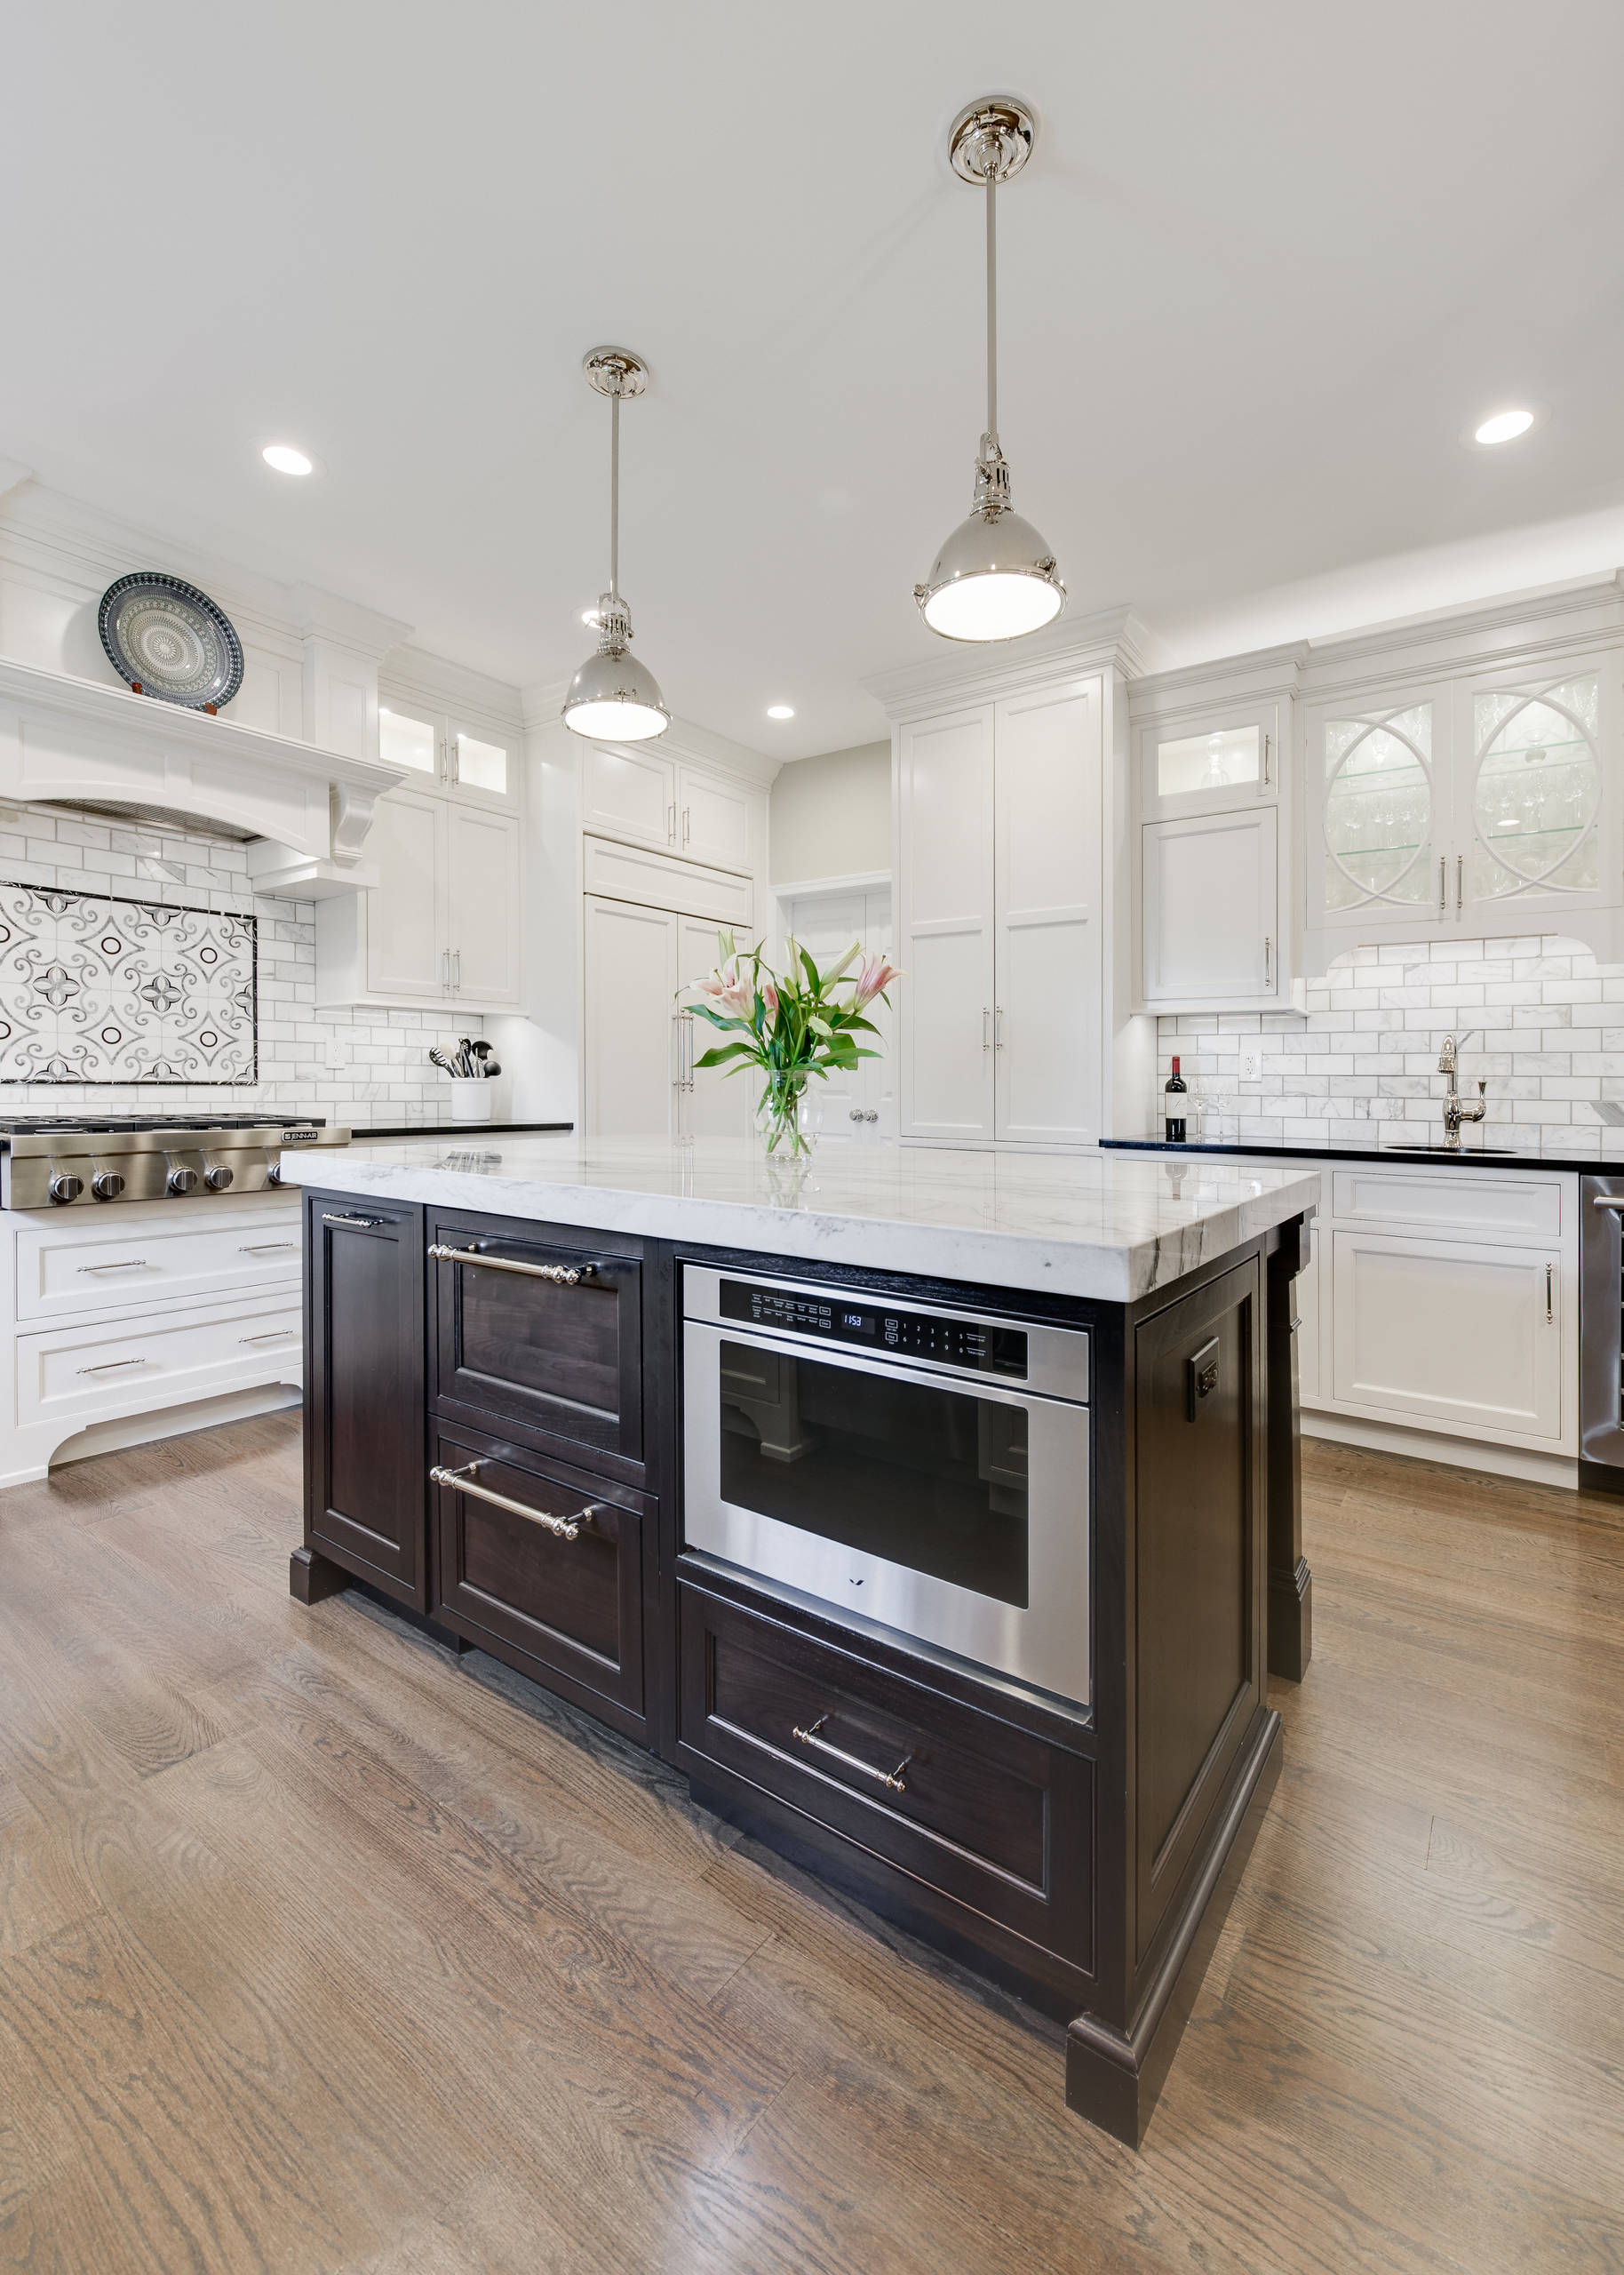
{"x":935,"y":1511}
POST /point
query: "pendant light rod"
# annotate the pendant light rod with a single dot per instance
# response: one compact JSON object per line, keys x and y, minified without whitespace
{"x":615,"y":491}
{"x":992,"y":306}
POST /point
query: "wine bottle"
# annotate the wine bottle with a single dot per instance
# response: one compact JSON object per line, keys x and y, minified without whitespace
{"x":1174,"y":1112}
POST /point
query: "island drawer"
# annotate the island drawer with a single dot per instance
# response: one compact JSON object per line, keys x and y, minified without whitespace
{"x":541,"y":1564}
{"x":538,"y":1332}
{"x":953,"y":1795}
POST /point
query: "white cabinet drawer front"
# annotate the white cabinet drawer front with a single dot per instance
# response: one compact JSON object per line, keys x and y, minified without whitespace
{"x":656,"y":881}
{"x":61,"y":1273}
{"x":1453,"y":1332}
{"x":1462,"y":1200}
{"x":153,"y":1362}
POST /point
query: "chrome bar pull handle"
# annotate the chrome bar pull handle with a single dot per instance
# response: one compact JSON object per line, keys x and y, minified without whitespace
{"x":562,"y":1275}
{"x":133,"y":1264}
{"x":1459,"y":880}
{"x":1550,"y":1308}
{"x":467,"y":1481}
{"x":998,"y":1026}
{"x":893,"y":1780}
{"x":112,"y":1366}
{"x":986,"y":1028}
{"x":1268,"y":960}
{"x":1268,"y":740}
{"x":355,"y":1224}
{"x":1443,"y":893}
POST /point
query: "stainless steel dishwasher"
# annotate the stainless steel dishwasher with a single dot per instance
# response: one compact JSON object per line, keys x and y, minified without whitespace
{"x":1601,"y":1345}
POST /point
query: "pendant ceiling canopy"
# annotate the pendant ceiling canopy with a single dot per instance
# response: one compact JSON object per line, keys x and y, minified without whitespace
{"x":615,"y":698}
{"x":995,"y":577}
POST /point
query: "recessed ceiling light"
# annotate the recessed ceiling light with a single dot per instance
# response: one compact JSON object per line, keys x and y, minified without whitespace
{"x":780,"y":711}
{"x":286,"y":460}
{"x":1505,"y":427}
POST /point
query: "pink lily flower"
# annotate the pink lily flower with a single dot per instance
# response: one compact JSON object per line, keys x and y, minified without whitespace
{"x":873,"y":977}
{"x":727,"y":990}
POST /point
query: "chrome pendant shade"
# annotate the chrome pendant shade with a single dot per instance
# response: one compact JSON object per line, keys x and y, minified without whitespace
{"x":614,"y":698}
{"x":995,"y":577}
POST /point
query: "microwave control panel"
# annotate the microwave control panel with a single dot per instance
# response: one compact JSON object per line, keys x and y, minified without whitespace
{"x":871,"y":1326}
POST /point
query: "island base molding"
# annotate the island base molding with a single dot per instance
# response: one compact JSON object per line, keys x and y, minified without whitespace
{"x":1114,"y":2077}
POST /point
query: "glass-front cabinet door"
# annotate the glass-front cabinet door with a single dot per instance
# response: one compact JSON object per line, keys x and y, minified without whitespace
{"x":1537,"y":823}
{"x":1379,"y":815}
{"x":1212,"y":762}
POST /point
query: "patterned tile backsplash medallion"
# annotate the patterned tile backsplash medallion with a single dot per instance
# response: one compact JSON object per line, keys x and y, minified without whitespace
{"x":1540,"y":1021}
{"x":362,"y":1066}
{"x":95,"y":988}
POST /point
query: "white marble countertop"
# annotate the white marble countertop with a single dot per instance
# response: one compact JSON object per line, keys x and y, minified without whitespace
{"x":1113,"y":1226}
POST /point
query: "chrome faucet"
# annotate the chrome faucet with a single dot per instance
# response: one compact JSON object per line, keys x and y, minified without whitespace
{"x":1454,"y":1113}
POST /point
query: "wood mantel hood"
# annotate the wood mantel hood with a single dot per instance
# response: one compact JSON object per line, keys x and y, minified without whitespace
{"x":305,"y":811}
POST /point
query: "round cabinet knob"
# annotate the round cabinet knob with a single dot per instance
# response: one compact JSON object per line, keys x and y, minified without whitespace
{"x":181,"y":1179}
{"x":217,"y":1176}
{"x":66,"y":1186}
{"x":106,"y":1184}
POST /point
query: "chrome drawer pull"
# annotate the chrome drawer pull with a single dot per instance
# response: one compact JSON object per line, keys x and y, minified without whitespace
{"x":271,"y":1334}
{"x":135,"y":1264}
{"x":562,"y":1275}
{"x":359,"y":1224}
{"x":462,"y":1480}
{"x":269,"y":1248}
{"x":112,"y":1366}
{"x":892,"y":1780}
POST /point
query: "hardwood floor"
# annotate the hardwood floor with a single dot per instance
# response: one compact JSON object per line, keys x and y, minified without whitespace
{"x":318,"y":1951}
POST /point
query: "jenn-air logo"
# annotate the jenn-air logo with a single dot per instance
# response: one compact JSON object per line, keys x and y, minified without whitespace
{"x":300,"y":1137}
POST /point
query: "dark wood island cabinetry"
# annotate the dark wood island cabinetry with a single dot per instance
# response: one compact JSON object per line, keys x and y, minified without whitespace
{"x":494,"y":1440}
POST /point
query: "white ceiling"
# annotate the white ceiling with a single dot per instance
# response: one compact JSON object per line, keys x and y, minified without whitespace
{"x":1267,"y":262}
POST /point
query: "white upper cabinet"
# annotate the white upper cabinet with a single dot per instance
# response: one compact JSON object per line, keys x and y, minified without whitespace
{"x":405,"y":913}
{"x":476,"y":765}
{"x":946,"y":925}
{"x":1379,"y":814}
{"x":441,"y":926}
{"x":482,"y":906}
{"x":1046,"y":1013}
{"x":1213,"y":875}
{"x":1211,"y":927}
{"x":1000,"y":1015}
{"x":629,"y":793}
{"x":652,"y":797}
{"x":1484,"y":804}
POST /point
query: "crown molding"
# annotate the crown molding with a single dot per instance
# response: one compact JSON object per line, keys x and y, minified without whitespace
{"x":329,"y":616}
{"x":1111,"y":639}
{"x":1279,"y":667}
{"x":448,"y":686}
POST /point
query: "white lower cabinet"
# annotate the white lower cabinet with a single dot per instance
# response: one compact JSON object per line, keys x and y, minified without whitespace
{"x":1436,"y":1330}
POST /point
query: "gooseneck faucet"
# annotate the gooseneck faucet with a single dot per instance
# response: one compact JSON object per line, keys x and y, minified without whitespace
{"x":1454,"y":1113}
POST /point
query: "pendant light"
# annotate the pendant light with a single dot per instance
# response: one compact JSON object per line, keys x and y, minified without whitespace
{"x":614,"y":698}
{"x":995,"y":577}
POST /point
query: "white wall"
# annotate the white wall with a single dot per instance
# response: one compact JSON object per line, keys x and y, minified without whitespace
{"x":830,"y":817}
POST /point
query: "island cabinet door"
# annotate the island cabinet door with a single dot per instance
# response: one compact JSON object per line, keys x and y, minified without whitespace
{"x":537,"y":1331}
{"x":541,"y":1564}
{"x":1199,"y":1524}
{"x":366,"y":1503}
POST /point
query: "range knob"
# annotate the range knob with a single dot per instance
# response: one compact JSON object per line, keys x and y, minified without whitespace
{"x":217,"y":1176}
{"x":181,"y":1179}
{"x":106,"y":1184}
{"x":273,"y":1175}
{"x":65,"y":1186}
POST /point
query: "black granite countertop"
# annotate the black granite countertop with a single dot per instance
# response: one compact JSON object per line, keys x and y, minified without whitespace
{"x":457,"y":1130}
{"x":1504,"y":1157}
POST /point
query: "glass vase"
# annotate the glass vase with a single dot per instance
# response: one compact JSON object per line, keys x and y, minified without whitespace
{"x":789,"y":1116}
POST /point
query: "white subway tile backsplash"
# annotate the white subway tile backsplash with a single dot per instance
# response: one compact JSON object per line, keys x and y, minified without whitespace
{"x":386,"y":1077}
{"x":1537,"y":1020}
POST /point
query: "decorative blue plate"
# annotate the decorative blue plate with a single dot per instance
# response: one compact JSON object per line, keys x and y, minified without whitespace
{"x":167,"y":639}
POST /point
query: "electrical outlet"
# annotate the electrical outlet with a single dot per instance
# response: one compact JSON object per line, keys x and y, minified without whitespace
{"x":335,"y":1056}
{"x":1251,"y":1065}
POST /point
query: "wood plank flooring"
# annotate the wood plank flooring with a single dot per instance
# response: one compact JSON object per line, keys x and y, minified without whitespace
{"x":318,"y":1951}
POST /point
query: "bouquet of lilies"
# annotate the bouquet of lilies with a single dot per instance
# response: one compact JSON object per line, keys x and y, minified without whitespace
{"x":790,"y":1025}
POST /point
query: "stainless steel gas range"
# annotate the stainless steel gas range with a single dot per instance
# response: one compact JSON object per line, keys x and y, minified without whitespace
{"x":67,"y":1163}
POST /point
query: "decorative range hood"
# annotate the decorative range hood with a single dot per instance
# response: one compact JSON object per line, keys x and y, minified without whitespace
{"x":304,"y":810}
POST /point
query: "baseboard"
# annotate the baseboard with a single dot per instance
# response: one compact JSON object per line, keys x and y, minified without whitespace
{"x":171,"y":1422}
{"x":1436,"y":1445}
